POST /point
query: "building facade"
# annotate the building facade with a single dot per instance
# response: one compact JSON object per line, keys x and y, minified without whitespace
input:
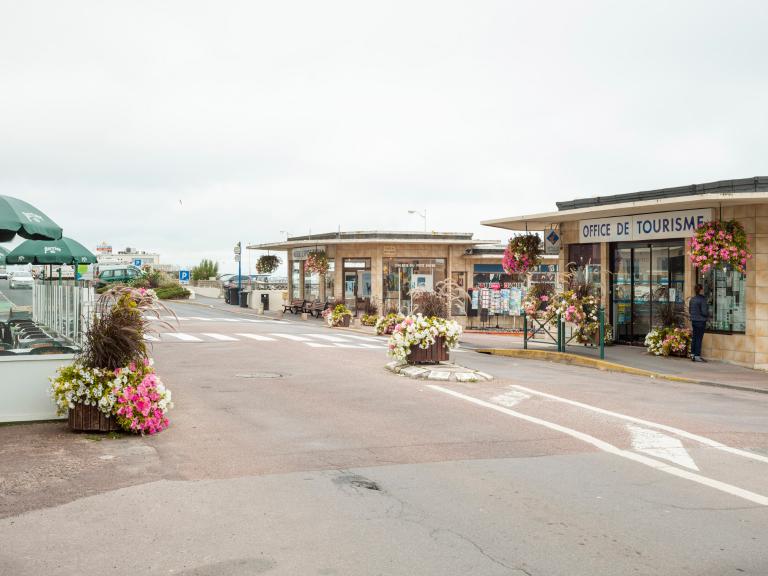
{"x":635,"y":248}
{"x":384,"y":268}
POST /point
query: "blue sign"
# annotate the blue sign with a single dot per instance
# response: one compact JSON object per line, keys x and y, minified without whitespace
{"x":137,"y":262}
{"x":184,"y":276}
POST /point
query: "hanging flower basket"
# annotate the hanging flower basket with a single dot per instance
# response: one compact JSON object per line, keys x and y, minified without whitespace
{"x":522,"y":254}
{"x":267,"y":264}
{"x":316,"y":262}
{"x":717,"y":244}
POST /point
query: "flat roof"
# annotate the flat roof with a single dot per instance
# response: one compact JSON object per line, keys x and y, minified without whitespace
{"x":373,"y":237}
{"x":708,"y":195}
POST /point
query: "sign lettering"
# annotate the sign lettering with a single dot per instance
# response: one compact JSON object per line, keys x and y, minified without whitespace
{"x":678,"y":224}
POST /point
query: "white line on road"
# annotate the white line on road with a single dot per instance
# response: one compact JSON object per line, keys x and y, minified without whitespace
{"x":327,"y":337}
{"x":183,"y":337}
{"x":150,"y":338}
{"x":510,"y":399}
{"x":355,"y":346}
{"x":365,"y":338}
{"x":611,"y":449}
{"x":318,"y":345}
{"x":222,"y":337}
{"x":291,"y":337}
{"x":258,"y":337}
{"x":682,"y":433}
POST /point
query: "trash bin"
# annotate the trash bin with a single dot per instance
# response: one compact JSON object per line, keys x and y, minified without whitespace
{"x":233,"y":297}
{"x":244,"y":298}
{"x":265,"y":301}
{"x":226,"y":296}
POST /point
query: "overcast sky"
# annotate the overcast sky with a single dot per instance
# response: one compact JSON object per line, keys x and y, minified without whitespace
{"x":182,"y":127}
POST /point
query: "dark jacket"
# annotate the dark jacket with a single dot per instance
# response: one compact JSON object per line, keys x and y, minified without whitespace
{"x":698,"y":309}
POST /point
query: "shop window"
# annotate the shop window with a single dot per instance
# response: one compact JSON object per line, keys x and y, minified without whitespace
{"x":296,"y":279}
{"x":725,"y":291}
{"x":330,"y":280}
{"x":403,"y":275}
{"x":584,"y":266}
{"x":311,"y":286}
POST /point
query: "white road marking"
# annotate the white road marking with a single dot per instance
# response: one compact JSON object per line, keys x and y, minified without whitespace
{"x":327,"y":337}
{"x":355,"y":346}
{"x":291,"y":337}
{"x":365,"y":338}
{"x":183,"y":337}
{"x":611,"y":449}
{"x":510,"y":399}
{"x":258,"y":337}
{"x":376,"y":346}
{"x":222,"y":337}
{"x":677,"y":431}
{"x":661,"y":446}
{"x":318,"y":345}
{"x":150,"y":338}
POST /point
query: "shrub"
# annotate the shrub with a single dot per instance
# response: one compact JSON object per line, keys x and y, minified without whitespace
{"x":174,"y":291}
{"x":668,"y":341}
{"x":368,"y":319}
{"x":429,"y":304}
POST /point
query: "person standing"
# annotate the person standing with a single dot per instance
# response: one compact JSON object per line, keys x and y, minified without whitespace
{"x":698,"y":310}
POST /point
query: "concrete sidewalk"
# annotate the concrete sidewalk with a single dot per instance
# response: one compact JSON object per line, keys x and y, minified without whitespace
{"x":636,"y":358}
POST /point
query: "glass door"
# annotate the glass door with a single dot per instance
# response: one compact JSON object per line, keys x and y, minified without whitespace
{"x":646,"y":288}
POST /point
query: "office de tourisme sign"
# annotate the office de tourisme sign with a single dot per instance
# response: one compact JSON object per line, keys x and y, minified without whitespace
{"x":655,"y":226}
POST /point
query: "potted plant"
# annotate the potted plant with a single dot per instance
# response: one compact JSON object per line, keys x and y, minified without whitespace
{"x":339,"y":315}
{"x":424,"y":340}
{"x":112,"y":383}
{"x":719,"y":244}
{"x":316,"y":262}
{"x":522,"y":254}
{"x":669,"y":341}
{"x":386,"y":324}
{"x":267,"y":264}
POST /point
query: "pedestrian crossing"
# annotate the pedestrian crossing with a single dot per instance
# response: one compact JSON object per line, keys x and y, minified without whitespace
{"x":166,"y":318}
{"x":312,"y":340}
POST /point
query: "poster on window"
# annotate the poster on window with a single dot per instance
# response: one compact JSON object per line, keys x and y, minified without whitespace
{"x":423,"y":282}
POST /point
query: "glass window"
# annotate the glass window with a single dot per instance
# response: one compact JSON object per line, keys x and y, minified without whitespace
{"x":296,"y":279}
{"x":357,"y":283}
{"x":311,"y":286}
{"x":584,"y":265}
{"x":330,"y":280}
{"x":725,"y":291}
{"x":107,"y":274}
{"x":402,"y":275}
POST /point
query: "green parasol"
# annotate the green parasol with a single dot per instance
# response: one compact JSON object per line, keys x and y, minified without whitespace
{"x":63,"y":251}
{"x":19,"y":217}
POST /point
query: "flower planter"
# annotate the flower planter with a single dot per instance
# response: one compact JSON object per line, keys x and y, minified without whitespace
{"x":84,"y":418}
{"x":345,"y":320}
{"x":436,"y":353}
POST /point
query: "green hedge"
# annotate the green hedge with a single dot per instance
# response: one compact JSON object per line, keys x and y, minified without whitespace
{"x":172,"y":292}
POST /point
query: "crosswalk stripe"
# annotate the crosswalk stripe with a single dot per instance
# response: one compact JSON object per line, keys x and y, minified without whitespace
{"x":327,"y":337}
{"x":376,"y":346}
{"x":150,"y":338}
{"x":258,"y":337}
{"x":318,"y":345}
{"x":183,"y":337}
{"x":222,"y":337}
{"x":291,"y":337}
{"x":356,"y":346}
{"x":364,"y":338}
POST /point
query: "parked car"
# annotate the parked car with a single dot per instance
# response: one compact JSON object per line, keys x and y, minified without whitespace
{"x":3,"y":274}
{"x":21,"y":280}
{"x":117,"y":274}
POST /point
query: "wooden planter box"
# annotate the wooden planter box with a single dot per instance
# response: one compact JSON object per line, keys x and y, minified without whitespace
{"x":84,"y":418}
{"x":435,"y":354}
{"x":345,"y":320}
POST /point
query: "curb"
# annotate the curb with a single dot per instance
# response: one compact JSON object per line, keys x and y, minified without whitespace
{"x":603,"y":365}
{"x":438,"y":372}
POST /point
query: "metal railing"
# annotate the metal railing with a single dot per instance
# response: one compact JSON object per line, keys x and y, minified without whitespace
{"x":64,"y":306}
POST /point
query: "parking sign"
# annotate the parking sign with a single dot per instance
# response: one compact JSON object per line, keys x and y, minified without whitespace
{"x":184,"y":276}
{"x":137,"y":263}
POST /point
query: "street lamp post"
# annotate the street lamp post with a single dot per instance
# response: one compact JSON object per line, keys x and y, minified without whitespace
{"x":423,"y":216}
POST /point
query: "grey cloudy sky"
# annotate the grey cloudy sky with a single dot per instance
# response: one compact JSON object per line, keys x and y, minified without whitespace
{"x":269,"y":116}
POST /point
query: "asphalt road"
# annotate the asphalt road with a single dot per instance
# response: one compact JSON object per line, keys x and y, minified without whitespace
{"x":292,"y":451}
{"x":19,"y":296}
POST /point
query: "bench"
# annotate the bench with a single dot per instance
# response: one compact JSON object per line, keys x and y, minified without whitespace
{"x":316,"y":308}
{"x":294,"y":307}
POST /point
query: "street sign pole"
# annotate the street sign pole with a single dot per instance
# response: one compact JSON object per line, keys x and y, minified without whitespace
{"x":239,"y":269}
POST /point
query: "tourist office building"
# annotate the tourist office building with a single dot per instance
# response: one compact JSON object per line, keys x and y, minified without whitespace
{"x":635,"y":249}
{"x":385,"y":268}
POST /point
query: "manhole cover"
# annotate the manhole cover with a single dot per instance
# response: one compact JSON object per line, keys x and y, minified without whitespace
{"x":258,"y":375}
